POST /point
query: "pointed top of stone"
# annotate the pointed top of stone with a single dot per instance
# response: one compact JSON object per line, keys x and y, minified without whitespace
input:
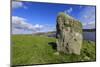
{"x":65,"y":15}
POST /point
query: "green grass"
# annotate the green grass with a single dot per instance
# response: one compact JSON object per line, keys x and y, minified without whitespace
{"x":28,"y":49}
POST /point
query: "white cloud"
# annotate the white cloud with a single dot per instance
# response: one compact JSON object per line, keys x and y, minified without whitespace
{"x":69,"y":10}
{"x":16,"y":4}
{"x":90,"y":25}
{"x":38,"y":26}
{"x":21,"y":26}
{"x":87,"y":16}
{"x":48,"y":28}
{"x":19,"y":23}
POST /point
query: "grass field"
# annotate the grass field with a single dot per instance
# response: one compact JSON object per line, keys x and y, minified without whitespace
{"x":28,"y":49}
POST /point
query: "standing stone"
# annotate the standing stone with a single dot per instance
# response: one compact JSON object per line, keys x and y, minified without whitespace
{"x":69,"y":34}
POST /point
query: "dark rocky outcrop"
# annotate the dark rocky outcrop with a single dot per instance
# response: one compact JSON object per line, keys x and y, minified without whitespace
{"x":69,"y":34}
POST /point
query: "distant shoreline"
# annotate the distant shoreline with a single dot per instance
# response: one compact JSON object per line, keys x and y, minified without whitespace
{"x":88,"y":34}
{"x":89,"y":30}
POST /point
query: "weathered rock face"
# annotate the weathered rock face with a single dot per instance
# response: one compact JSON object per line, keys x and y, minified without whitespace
{"x":69,"y":34}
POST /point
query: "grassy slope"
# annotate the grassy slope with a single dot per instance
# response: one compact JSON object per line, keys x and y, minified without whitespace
{"x":28,"y":49}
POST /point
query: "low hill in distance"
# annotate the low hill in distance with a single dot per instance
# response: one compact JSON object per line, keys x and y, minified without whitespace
{"x":89,"y":30}
{"x":54,"y":32}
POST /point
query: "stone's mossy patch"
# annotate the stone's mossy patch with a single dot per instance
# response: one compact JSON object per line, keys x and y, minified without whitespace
{"x":69,"y":34}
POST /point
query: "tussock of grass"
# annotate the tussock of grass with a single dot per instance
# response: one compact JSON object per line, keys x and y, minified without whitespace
{"x":28,"y":49}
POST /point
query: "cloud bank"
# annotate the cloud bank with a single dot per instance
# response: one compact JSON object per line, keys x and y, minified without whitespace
{"x":21,"y":26}
{"x":90,"y":25}
{"x":18,"y":5}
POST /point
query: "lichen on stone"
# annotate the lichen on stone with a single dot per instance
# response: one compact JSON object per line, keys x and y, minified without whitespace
{"x":69,"y":34}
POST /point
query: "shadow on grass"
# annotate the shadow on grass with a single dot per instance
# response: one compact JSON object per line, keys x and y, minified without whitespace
{"x":53,"y":45}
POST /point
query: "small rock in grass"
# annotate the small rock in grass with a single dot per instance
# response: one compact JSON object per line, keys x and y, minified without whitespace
{"x":56,"y":53}
{"x":87,"y":58}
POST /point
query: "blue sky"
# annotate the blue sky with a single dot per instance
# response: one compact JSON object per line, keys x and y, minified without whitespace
{"x":32,"y":17}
